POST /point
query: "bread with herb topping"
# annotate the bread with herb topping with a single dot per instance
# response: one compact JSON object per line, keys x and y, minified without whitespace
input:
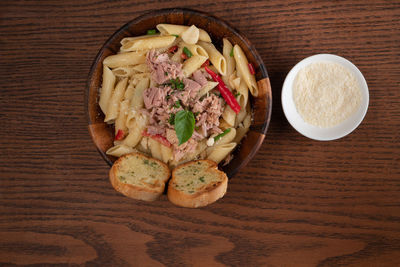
{"x":197,"y":184}
{"x":138,"y":176}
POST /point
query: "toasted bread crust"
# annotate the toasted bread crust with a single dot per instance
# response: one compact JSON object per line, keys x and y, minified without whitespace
{"x":202,"y":198}
{"x":134,"y":191}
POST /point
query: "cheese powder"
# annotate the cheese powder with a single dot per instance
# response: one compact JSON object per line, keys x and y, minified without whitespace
{"x":326,"y":94}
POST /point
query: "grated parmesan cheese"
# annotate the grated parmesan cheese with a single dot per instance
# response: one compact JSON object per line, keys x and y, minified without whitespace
{"x":326,"y":94}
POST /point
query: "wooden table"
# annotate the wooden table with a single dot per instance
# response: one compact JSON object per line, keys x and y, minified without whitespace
{"x":298,"y":203}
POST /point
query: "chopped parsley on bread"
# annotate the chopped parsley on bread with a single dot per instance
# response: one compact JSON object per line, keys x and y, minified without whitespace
{"x":196,"y":184}
{"x":140,"y":177}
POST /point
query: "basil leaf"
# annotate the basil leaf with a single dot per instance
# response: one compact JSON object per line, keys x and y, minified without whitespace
{"x":184,"y":125}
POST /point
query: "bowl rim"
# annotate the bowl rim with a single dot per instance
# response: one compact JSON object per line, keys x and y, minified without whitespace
{"x":208,"y":16}
{"x":313,"y":132}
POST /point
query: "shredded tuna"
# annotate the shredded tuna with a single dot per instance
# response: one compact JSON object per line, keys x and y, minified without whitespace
{"x":210,"y":109}
{"x":162,"y":102}
{"x":162,"y":68}
{"x":155,"y":129}
{"x":199,"y":77}
{"x":189,"y":94}
{"x":179,"y":151}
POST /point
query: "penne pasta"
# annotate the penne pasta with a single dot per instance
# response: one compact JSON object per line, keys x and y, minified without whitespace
{"x":177,"y":56}
{"x":137,"y":96}
{"x":168,"y":29}
{"x":191,"y":35}
{"x":130,"y":39}
{"x":119,"y":150}
{"x":148,"y":43}
{"x":221,"y":151}
{"x":116,"y":98}
{"x":195,"y":49}
{"x":206,"y":88}
{"x":129,"y":90}
{"x":229,"y":116}
{"x":243,"y":94}
{"x":141,"y":68}
{"x":230,"y":61}
{"x":124,"y":71}
{"x":166,"y":153}
{"x":125,"y":59}
{"x":192,"y":64}
{"x":242,"y":114}
{"x":136,"y":127}
{"x":120,"y":122}
{"x":227,"y":138}
{"x":223,"y":125}
{"x":106,"y":89}
{"x":247,"y":121}
{"x":143,"y":145}
{"x":242,"y":65}
{"x":240,"y":133}
{"x":155,"y":149}
{"x":216,"y":58}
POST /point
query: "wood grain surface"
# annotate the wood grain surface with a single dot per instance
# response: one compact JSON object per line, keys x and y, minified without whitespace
{"x":299,"y":202}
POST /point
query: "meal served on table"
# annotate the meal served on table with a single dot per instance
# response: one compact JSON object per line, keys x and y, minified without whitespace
{"x":174,"y":97}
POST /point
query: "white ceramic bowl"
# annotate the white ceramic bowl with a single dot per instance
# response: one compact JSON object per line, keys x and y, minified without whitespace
{"x":311,"y":131}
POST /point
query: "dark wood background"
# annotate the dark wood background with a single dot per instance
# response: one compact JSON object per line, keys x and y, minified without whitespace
{"x":298,"y":203}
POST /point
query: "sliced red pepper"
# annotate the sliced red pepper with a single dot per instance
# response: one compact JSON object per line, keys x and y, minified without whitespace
{"x":173,"y":49}
{"x":206,"y":63}
{"x":184,"y":56}
{"x":225,"y":92}
{"x":251,"y":69}
{"x":119,"y":135}
{"x":158,"y":137}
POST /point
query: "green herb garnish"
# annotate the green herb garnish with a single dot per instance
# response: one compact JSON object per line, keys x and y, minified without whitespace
{"x":180,"y":86}
{"x":237,"y":94}
{"x":151,"y":32}
{"x":187,"y":51}
{"x":167,"y":97}
{"x":216,"y":138}
{"x":177,"y":36}
{"x":171,"y":119}
{"x":201,"y":179}
{"x":146,"y":161}
{"x":177,"y":84}
{"x":184,"y":125}
{"x":166,"y":73}
{"x":231,"y":53}
{"x":177,"y":104}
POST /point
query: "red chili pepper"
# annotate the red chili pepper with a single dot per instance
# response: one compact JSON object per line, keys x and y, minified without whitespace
{"x":184,"y":56}
{"x":173,"y":49}
{"x":206,"y":63}
{"x":120,"y":135}
{"x":251,"y":69}
{"x":226,"y":94}
{"x":158,"y":137}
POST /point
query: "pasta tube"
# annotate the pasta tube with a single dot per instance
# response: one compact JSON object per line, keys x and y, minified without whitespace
{"x":216,"y":58}
{"x":242,"y":64}
{"x":116,"y":98}
{"x":125,"y":59}
{"x":168,"y":29}
{"x":107,"y":88}
{"x":148,"y":43}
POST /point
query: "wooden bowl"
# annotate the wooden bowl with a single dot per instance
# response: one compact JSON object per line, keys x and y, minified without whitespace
{"x":103,"y":135}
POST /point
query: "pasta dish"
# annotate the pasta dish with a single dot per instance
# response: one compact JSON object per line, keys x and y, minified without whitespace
{"x":172,"y":95}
